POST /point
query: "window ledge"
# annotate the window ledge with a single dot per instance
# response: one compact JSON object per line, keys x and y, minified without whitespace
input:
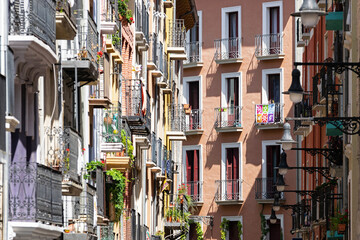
{"x":193,"y":65}
{"x":194,"y":132}
{"x":271,"y":57}
{"x":278,"y":125}
{"x":230,"y":60}
{"x":229,"y":202}
{"x":229,"y":129}
{"x":268,"y":200}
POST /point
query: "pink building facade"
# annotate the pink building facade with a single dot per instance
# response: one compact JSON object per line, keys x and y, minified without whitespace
{"x":240,"y":58}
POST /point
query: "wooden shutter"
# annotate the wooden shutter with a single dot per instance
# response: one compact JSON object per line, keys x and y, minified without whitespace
{"x":189,"y":161}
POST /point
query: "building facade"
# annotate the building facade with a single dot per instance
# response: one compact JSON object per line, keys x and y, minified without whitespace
{"x":236,"y":70}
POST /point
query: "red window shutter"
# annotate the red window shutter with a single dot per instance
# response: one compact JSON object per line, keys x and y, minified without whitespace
{"x":196,"y":165}
{"x":189,"y":161}
{"x":235,"y":157}
{"x":229,"y":164}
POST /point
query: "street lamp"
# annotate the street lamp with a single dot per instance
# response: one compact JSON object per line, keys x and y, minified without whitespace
{"x":286,"y":141}
{"x":295,"y":91}
{"x":276,"y":205}
{"x":280,"y":183}
{"x":283,"y":166}
{"x":273,"y":218}
{"x":309,"y":13}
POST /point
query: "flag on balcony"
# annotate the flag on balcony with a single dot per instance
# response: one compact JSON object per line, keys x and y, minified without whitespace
{"x":265,"y":113}
{"x":143,"y":100}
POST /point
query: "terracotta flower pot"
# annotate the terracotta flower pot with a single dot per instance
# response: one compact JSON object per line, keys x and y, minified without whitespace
{"x":341,"y":228}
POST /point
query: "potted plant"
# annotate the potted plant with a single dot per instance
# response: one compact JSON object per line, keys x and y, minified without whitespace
{"x":338,"y":222}
{"x":168,"y":214}
{"x":91,"y":167}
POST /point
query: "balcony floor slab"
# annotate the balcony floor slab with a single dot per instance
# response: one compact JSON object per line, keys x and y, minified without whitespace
{"x":35,"y":230}
{"x":230,"y":60}
{"x":229,"y":202}
{"x":271,"y":57}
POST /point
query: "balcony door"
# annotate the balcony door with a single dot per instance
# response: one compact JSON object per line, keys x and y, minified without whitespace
{"x":232,"y":173}
{"x":233,"y":30}
{"x":274,"y":29}
{"x":274,"y":94}
{"x":192,"y":172}
{"x":233,"y":110}
{"x":194,"y":105}
{"x":272,"y":161}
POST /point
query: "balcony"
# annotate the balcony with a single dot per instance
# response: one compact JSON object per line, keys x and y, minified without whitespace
{"x":111,"y":130}
{"x":228,"y":50}
{"x":109,"y":18}
{"x":152,"y":162}
{"x":176,"y":36}
{"x":193,"y":54}
{"x":157,"y":155}
{"x":82,"y":63}
{"x":166,"y":164}
{"x":193,"y":123}
{"x":300,"y":42}
{"x":35,"y":205}
{"x":269,"y":46}
{"x":65,"y":21}
{"x":269,"y":116}
{"x":141,"y":27}
{"x":176,"y":123}
{"x":265,"y":190}
{"x":100,"y":197}
{"x":32,"y":33}
{"x":228,"y":119}
{"x":195,"y":191}
{"x":71,"y":184}
{"x":303,"y":109}
{"x":156,"y":57}
{"x":228,"y":192}
{"x":113,"y":44}
{"x":137,"y":106}
{"x":100,"y":93}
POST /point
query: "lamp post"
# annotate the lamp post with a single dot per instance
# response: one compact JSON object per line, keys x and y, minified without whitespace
{"x":280,"y":183}
{"x":273,"y":217}
{"x":295,"y":91}
{"x":286,"y":141}
{"x":309,"y":13}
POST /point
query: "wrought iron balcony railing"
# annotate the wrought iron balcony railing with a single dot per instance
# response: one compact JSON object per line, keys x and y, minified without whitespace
{"x":195,"y":190}
{"x":266,"y":114}
{"x":34,"y":18}
{"x":302,"y":109}
{"x":194,"y":120}
{"x":137,"y":106}
{"x":176,"y":33}
{"x":228,"y":117}
{"x":112,"y":125}
{"x":142,"y":20}
{"x":35,"y":193}
{"x":265,"y":189}
{"x":228,"y":190}
{"x":64,"y":6}
{"x":160,"y":152}
{"x":176,"y":118}
{"x":193,"y":52}
{"x":269,"y":44}
{"x":154,"y":148}
{"x":100,"y":192}
{"x":227,"y":48}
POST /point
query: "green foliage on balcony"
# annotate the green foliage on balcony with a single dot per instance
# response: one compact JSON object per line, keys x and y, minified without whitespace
{"x":124,"y":10}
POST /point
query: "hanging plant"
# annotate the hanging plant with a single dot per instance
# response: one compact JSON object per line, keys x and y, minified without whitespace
{"x":224,"y":228}
{"x":264,"y":228}
{"x":239,"y":225}
{"x":117,"y":190}
{"x":91,"y":166}
{"x":199,"y":231}
{"x":124,"y":10}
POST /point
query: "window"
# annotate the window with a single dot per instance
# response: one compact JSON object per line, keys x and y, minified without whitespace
{"x":272,"y":89}
{"x":192,"y":235}
{"x":193,"y":174}
{"x":192,"y":96}
{"x":272,"y":26}
{"x":194,"y":42}
{"x":275,"y":230}
{"x":231,"y":31}
{"x":270,"y":159}
{"x":231,"y":99}
{"x":231,"y":171}
{"x":233,"y":233}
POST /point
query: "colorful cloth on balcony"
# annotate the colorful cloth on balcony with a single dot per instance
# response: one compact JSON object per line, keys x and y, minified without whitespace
{"x":265,"y":113}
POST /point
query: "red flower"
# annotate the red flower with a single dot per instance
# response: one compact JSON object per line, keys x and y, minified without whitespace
{"x":102,"y":161}
{"x":68,"y":150}
{"x":131,"y":19}
{"x":83,"y":149}
{"x":100,"y":53}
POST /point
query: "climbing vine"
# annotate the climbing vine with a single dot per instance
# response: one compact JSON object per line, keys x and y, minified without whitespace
{"x":199,"y":231}
{"x":264,"y":228}
{"x":224,"y":227}
{"x":240,"y":226}
{"x":117,"y":190}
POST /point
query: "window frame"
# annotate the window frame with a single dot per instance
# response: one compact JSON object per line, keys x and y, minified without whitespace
{"x":189,"y":148}
{"x":233,"y":219}
{"x":224,"y":88}
{"x":186,"y":81}
{"x":265,"y":87}
{"x":266,"y":16}
{"x":224,"y":146}
{"x":225,"y":21}
{"x":200,"y":35}
{"x":281,"y":218}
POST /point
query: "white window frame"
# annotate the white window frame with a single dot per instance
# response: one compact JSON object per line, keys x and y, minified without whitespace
{"x":278,"y":216}
{"x":200,"y":35}
{"x":263,"y":160}
{"x":233,"y":219}
{"x":196,"y":221}
{"x":193,"y":147}
{"x":266,"y":16}
{"x":224,"y":91}
{"x":225,"y":20}
{"x":186,"y":81}
{"x":224,"y":146}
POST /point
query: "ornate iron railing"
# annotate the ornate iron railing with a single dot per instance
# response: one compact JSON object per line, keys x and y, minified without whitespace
{"x":112,"y":125}
{"x":87,"y":209}
{"x":166,"y":67}
{"x":176,"y":33}
{"x":268,"y":44}
{"x":169,"y":165}
{"x":268,"y":113}
{"x":176,"y":118}
{"x":34,"y":17}
{"x":107,"y":232}
{"x":194,"y":120}
{"x":228,"y":190}
{"x":302,"y":109}
{"x":35,"y":193}
{"x":160,"y":152}
{"x":164,"y":160}
{"x":193,"y":52}
{"x":264,"y":188}
{"x":153,"y":49}
{"x":109,"y":12}
{"x":154,"y":148}
{"x":64,"y":7}
{"x":195,"y":190}
{"x":228,"y":117}
{"x":88,"y":39}
{"x":227,"y":48}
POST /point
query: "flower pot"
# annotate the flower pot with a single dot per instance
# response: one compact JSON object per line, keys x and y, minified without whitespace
{"x":341,"y":228}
